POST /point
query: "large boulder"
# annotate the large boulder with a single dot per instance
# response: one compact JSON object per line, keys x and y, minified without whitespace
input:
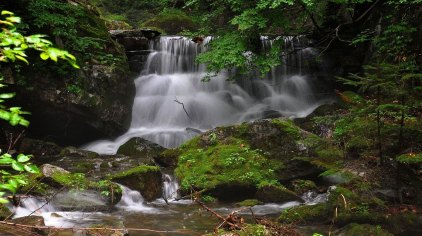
{"x":145,"y":179}
{"x":53,"y":180}
{"x":246,"y":156}
{"x":141,"y":149}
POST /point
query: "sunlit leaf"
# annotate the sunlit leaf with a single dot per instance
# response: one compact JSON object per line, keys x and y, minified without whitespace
{"x":18,"y":166}
{"x":23,"y":158}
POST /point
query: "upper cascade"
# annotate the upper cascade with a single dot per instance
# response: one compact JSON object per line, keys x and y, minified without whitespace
{"x":172,"y":100}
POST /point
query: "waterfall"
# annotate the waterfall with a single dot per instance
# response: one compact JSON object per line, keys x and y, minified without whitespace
{"x":170,"y":188}
{"x":133,"y":201}
{"x":171,"y":99}
{"x":32,"y":205}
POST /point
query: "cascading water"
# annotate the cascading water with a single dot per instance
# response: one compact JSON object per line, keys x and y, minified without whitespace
{"x":171,"y":100}
{"x":170,"y":188}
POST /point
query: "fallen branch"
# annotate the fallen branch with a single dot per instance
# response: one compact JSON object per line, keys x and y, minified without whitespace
{"x":183,"y":105}
{"x":98,"y":229}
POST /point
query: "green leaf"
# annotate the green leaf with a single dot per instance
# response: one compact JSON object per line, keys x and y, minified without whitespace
{"x":8,"y":187}
{"x":4,"y":12}
{"x":6,"y":161}
{"x":7,"y":95}
{"x":18,"y":166}
{"x":22,"y":59}
{"x":23,"y":158}
{"x":32,"y":169}
{"x":13,"y":183}
{"x":44,"y":56}
{"x":3,"y":201}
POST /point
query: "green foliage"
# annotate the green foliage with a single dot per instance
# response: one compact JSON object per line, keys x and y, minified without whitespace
{"x":13,"y":46}
{"x":410,"y":158}
{"x":20,"y":165}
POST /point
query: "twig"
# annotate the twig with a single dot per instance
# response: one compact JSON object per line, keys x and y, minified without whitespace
{"x":253,"y":215}
{"x":47,"y":201}
{"x":183,"y":105}
{"x":98,"y":229}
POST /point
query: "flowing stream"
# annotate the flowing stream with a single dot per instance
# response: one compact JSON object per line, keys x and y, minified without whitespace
{"x":173,"y":104}
{"x":133,"y":212}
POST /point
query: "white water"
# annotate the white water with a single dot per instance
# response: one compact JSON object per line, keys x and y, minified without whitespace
{"x":171,"y":75}
{"x":133,"y":201}
{"x":170,"y":188}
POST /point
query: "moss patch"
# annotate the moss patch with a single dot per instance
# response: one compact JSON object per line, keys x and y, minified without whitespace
{"x":222,"y":164}
{"x":320,"y":213}
{"x":410,"y":158}
{"x":171,"y":22}
{"x":249,"y":203}
{"x":363,"y":229}
{"x":135,"y":170}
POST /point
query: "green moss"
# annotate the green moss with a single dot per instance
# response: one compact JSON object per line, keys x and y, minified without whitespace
{"x":364,"y":229}
{"x":136,"y":170}
{"x":71,"y":180}
{"x":288,"y":127}
{"x":171,"y":153}
{"x":410,"y":158}
{"x":221,"y":164}
{"x":208,"y":198}
{"x":171,"y":21}
{"x":275,"y":192}
{"x":300,"y":186}
{"x":255,"y":230}
{"x":249,"y":203}
{"x":307,"y":214}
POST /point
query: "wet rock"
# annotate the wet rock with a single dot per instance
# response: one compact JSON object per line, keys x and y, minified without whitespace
{"x":271,"y":114}
{"x":147,"y":33}
{"x":49,"y":170}
{"x":42,"y":151}
{"x":276,"y":194}
{"x":54,"y":180}
{"x":141,"y":149}
{"x":168,"y":158}
{"x":145,"y":179}
{"x":87,"y":200}
{"x":301,"y":186}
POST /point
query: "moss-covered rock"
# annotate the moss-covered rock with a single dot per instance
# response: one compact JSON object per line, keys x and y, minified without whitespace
{"x":249,"y":203}
{"x":141,"y":149}
{"x":301,"y":186}
{"x":276,"y":193}
{"x":168,"y":158}
{"x":247,"y":156}
{"x":362,"y":229}
{"x":307,"y":214}
{"x":171,"y":22}
{"x":53,"y":178}
{"x":145,"y":179}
